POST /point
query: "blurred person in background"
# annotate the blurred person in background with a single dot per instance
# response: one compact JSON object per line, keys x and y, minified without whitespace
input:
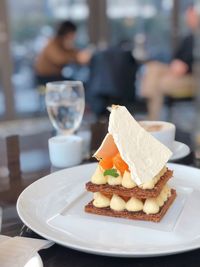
{"x":174,"y":79}
{"x":112,"y":78}
{"x":59,"y":51}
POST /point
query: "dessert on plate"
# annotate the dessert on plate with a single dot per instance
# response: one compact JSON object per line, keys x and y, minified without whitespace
{"x":131,"y":177}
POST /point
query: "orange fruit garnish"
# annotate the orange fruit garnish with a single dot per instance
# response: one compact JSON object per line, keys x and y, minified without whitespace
{"x":106,"y":163}
{"x":120,"y":164}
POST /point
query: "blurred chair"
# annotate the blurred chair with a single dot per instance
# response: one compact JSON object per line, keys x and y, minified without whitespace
{"x":33,"y":142}
{"x":10,"y":174}
{"x":13,"y":158}
{"x":14,"y":177}
{"x":112,"y":79}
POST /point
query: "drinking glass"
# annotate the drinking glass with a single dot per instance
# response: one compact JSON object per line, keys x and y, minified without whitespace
{"x":65,"y":102}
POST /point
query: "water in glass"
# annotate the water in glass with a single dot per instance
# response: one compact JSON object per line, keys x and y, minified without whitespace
{"x":65,"y":105}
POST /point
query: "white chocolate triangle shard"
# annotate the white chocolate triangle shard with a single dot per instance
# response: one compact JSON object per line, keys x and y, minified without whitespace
{"x":144,"y":154}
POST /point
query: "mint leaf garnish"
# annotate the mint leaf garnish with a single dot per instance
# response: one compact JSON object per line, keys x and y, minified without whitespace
{"x":111,"y":172}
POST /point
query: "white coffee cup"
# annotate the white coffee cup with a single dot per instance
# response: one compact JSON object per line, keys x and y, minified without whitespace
{"x":162,"y":131}
{"x":65,"y":151}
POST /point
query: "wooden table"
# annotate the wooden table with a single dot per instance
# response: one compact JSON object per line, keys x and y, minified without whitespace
{"x":58,"y":256}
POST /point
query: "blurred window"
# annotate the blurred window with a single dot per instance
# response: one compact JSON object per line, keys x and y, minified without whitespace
{"x":6,"y":96}
{"x":145,"y":23}
{"x":32,"y":23}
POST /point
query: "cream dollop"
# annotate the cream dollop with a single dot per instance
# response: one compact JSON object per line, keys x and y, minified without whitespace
{"x":98,"y":177}
{"x":164,"y":195}
{"x":117,"y":203}
{"x":114,"y":180}
{"x":127,"y":181}
{"x":134,"y":204}
{"x":166,"y":192}
{"x":150,"y":184}
{"x":160,"y":200}
{"x":151,"y":206}
{"x":101,"y":201}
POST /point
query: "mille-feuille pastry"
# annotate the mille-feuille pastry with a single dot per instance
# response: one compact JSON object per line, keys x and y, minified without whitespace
{"x":131,"y":178}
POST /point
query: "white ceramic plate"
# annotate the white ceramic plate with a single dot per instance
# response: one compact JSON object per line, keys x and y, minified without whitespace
{"x":180,"y":150}
{"x":35,"y":261}
{"x":53,"y":208}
